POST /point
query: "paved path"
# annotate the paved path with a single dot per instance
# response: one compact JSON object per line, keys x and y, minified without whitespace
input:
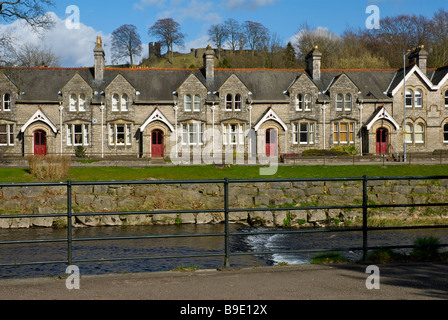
{"x":301,"y":282}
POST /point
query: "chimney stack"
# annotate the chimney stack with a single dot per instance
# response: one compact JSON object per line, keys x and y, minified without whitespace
{"x":313,"y":63}
{"x":419,"y":56}
{"x":99,"y":59}
{"x":209,"y":63}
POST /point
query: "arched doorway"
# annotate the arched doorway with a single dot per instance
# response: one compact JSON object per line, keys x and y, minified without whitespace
{"x":157,"y":143}
{"x":382,"y":141}
{"x":271,"y":142}
{"x":40,"y":142}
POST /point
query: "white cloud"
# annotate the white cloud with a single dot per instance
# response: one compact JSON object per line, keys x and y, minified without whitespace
{"x":73,"y":46}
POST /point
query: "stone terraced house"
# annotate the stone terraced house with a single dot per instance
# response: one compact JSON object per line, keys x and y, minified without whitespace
{"x":139,"y":112}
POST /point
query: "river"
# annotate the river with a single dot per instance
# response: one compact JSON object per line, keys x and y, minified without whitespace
{"x":249,"y":242}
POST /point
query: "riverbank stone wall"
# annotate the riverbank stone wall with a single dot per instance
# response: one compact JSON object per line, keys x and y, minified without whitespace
{"x":263,"y":195}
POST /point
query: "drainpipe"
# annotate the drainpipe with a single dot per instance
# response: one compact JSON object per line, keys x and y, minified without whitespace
{"x":175,"y":125}
{"x":360,"y":107}
{"x":213,"y":125}
{"x":102,"y":130}
{"x":324,"y":106}
{"x":60,"y":121}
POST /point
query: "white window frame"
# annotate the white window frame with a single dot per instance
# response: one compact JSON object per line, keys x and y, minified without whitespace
{"x":71,"y":134}
{"x":115,"y":102}
{"x":238,"y":102}
{"x":348,"y":102}
{"x":8,"y":133}
{"x":308,"y":102}
{"x":82,"y":102}
{"x":73,"y":102}
{"x":418,"y":98}
{"x":193,"y":133}
{"x":339,"y":102}
{"x":421,"y":133}
{"x":409,"y":135}
{"x":299,"y":102}
{"x":445,"y":132}
{"x":229,"y":132}
{"x":124,"y":102}
{"x":113,"y":134}
{"x":350,"y":132}
{"x":196,"y":103}
{"x":229,"y":103}
{"x":409,"y":98}
{"x":446,"y":99}
{"x":188,"y":103}
{"x":6,"y":103}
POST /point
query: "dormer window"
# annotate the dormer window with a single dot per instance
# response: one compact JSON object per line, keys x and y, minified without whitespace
{"x":120,"y":102}
{"x":78,"y":102}
{"x":73,"y":102}
{"x":229,"y":102}
{"x":339,"y":102}
{"x":187,"y":102}
{"x":409,"y":98}
{"x":299,"y":102}
{"x":197,"y":103}
{"x":238,"y":102}
{"x":6,"y":102}
{"x":308,"y":102}
{"x":348,"y":102}
{"x":418,"y":98}
{"x":234,"y":102}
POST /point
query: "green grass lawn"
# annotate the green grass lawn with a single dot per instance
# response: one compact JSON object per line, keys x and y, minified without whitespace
{"x":17,"y":175}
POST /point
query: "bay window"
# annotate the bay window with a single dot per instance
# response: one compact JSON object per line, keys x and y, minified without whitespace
{"x":6,"y":134}
{"x":120,"y":134}
{"x":192,"y":134}
{"x":78,"y":134}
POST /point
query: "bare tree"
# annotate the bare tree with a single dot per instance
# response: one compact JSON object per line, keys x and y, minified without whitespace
{"x":439,"y":33}
{"x":328,"y":43}
{"x":256,"y":34}
{"x":233,"y":30}
{"x":168,"y":32}
{"x":272,"y":48}
{"x":126,"y":43}
{"x":218,"y":34}
{"x":33,"y":12}
{"x":30,"y":55}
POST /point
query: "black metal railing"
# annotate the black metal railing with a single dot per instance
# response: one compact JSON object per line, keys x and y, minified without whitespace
{"x":227,"y":210}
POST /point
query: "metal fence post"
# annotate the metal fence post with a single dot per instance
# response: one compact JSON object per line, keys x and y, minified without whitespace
{"x":226,"y":215}
{"x":364,"y":218}
{"x":69,"y":222}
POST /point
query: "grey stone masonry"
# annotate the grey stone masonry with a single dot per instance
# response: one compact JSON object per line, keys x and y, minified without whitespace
{"x":166,"y":113}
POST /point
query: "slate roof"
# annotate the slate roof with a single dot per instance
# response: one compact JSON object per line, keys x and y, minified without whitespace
{"x":43,"y":84}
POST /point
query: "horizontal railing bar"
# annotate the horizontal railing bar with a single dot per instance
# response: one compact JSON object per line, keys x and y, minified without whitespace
{"x":32,"y":241}
{"x":151,"y":237}
{"x":31,"y":216}
{"x":31,"y":263}
{"x":149,"y":258}
{"x":81,"y":214}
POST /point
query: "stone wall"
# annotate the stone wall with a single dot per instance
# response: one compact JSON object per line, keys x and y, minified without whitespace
{"x":284,"y":195}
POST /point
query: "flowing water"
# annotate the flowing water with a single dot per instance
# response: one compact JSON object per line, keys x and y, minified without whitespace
{"x":249,"y":242}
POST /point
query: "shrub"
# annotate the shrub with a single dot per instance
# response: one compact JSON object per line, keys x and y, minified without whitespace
{"x":427,"y":248}
{"x":330,"y":257}
{"x":80,"y":152}
{"x":49,"y":167}
{"x":336,"y":151}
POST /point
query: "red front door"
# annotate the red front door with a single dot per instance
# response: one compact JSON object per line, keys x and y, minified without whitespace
{"x":157,"y":144}
{"x":271,"y":142}
{"x":40,"y":142}
{"x":382,"y":137}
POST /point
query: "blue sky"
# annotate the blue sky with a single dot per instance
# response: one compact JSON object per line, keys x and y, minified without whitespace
{"x":284,"y":17}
